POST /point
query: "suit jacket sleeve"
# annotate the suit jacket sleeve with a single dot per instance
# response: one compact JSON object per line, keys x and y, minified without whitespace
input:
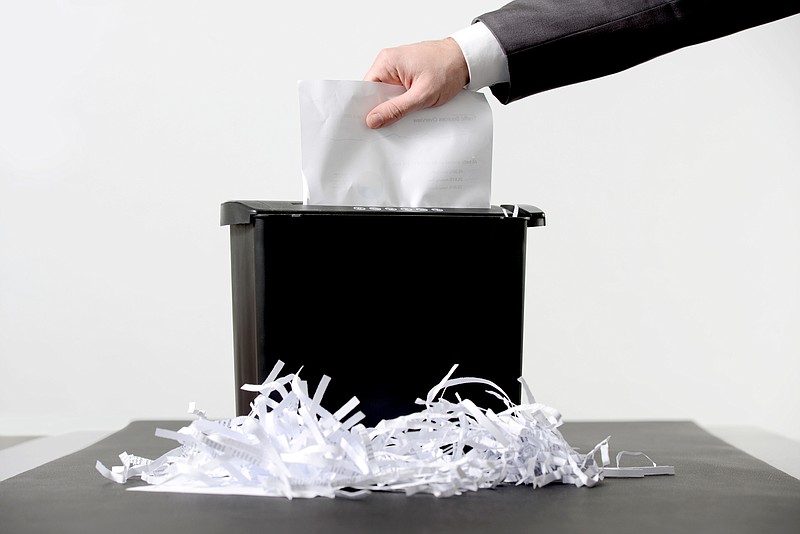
{"x":552,"y":43}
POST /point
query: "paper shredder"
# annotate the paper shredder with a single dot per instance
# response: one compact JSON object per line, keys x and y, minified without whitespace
{"x":382,"y":300}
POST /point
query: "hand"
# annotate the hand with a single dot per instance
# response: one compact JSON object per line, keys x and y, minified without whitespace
{"x":433,"y":72}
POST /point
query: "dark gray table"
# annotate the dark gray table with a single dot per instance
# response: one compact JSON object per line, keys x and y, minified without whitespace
{"x":717,"y":488}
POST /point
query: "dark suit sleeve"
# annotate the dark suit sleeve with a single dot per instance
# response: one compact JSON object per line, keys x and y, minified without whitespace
{"x":552,"y":43}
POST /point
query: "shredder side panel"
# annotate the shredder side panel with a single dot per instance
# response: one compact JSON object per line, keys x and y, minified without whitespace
{"x":245,"y":315}
{"x":386,"y":305}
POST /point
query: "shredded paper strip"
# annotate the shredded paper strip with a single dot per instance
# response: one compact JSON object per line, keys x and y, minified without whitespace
{"x":291,"y":446}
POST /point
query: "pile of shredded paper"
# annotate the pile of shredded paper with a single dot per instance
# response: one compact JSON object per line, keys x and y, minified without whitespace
{"x":294,"y":447}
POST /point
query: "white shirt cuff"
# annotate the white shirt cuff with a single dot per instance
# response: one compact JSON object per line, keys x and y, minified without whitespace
{"x":486,"y":61}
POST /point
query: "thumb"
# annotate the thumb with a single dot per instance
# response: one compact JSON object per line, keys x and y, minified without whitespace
{"x":394,"y":109}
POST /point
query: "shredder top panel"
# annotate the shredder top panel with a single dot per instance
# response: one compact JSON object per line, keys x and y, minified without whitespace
{"x":243,"y":211}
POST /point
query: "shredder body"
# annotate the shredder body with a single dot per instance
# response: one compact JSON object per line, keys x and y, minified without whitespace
{"x":383,"y":301}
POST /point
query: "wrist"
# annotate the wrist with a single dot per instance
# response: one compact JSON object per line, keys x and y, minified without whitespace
{"x":486,"y":62}
{"x":458,"y":63}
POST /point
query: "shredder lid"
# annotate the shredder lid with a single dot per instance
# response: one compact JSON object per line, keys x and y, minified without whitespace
{"x":244,"y":211}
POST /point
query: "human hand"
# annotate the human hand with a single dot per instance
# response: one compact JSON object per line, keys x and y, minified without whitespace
{"x":433,"y":72}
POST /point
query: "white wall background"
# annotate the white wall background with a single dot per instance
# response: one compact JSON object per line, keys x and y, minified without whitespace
{"x":666,"y":284}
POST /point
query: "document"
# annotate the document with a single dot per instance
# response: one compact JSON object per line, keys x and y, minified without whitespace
{"x":437,"y":157}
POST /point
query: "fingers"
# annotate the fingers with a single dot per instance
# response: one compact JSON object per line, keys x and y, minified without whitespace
{"x":374,"y":119}
{"x":432,"y":72}
{"x":395,"y":109}
{"x":383,"y":69}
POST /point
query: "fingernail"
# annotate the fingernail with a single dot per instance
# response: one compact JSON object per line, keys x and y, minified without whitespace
{"x":375,"y":120}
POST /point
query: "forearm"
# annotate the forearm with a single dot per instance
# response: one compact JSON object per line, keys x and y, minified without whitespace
{"x":552,"y":43}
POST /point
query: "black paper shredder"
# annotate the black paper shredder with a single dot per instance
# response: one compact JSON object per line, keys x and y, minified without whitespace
{"x":382,"y":300}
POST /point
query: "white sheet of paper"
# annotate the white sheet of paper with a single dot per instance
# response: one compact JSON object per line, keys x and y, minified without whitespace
{"x":437,"y":157}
